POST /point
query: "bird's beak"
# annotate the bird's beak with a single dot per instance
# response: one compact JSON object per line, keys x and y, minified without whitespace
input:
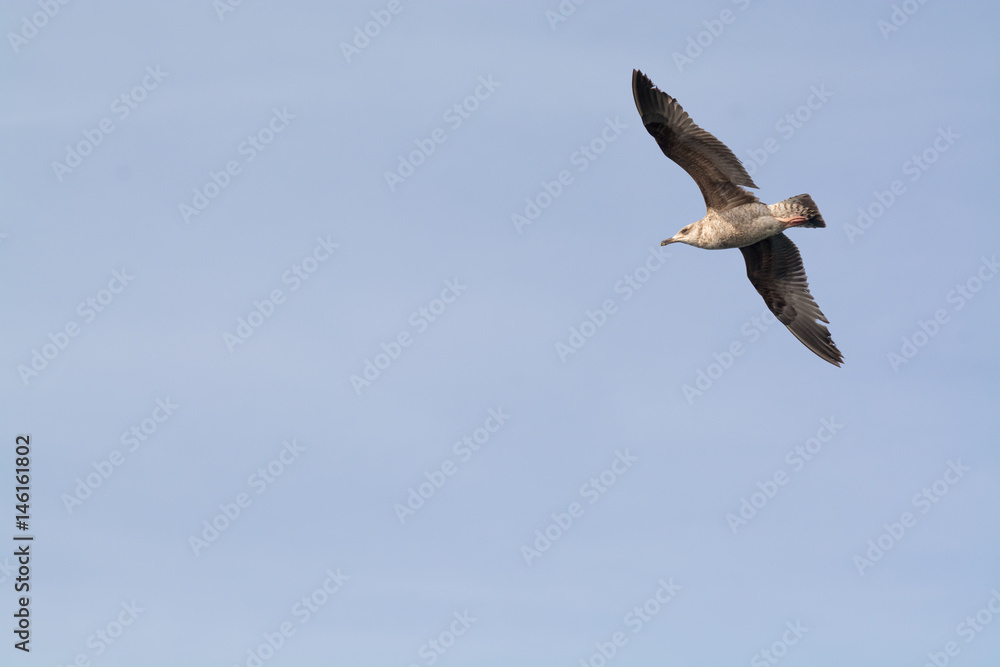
{"x":672,"y":239}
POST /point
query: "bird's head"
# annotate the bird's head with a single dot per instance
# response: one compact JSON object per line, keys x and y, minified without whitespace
{"x":687,"y":235}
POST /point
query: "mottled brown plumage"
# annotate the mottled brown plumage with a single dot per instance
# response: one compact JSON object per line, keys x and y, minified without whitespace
{"x":718,"y":173}
{"x":737,"y":219}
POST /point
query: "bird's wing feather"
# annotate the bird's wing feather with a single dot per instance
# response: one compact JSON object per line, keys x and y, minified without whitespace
{"x":774,"y":266}
{"x":718,"y":173}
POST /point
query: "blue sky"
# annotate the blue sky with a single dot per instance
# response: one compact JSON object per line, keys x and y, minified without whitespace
{"x":289,"y":306}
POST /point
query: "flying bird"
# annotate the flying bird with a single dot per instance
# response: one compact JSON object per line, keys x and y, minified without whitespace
{"x":737,"y":219}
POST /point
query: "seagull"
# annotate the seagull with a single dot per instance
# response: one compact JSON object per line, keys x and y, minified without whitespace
{"x":737,"y":219}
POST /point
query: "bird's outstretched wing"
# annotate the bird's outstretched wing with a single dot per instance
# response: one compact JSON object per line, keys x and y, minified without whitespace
{"x":774,"y":266}
{"x":718,"y":173}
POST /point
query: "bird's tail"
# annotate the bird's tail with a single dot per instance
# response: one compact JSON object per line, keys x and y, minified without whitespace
{"x":799,"y":205}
